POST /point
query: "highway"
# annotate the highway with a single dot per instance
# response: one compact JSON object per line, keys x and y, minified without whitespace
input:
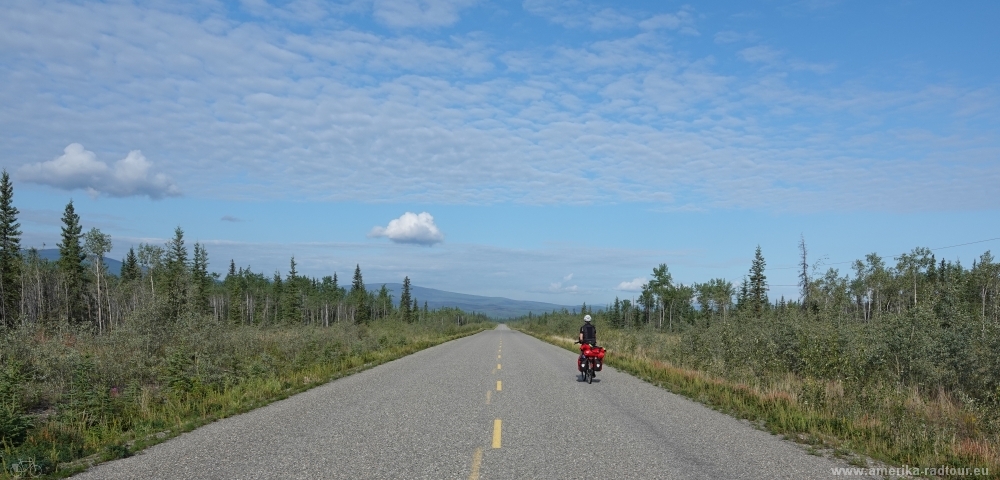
{"x":495,"y":405}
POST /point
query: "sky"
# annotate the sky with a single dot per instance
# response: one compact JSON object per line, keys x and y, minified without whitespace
{"x":540,"y":150}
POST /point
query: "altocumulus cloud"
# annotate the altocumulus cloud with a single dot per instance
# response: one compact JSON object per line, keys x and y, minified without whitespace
{"x":411,"y":228}
{"x":78,"y":168}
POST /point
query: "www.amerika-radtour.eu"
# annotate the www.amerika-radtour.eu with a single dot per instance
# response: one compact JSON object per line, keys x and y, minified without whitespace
{"x":907,"y":471}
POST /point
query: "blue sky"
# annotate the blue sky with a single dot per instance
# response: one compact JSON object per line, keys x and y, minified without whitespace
{"x":543,"y":150}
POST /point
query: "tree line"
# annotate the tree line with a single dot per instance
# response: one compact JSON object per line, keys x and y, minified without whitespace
{"x":877,"y":288}
{"x":163,"y":281}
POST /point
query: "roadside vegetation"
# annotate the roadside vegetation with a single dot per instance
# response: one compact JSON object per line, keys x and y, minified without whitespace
{"x":898,"y":363}
{"x":96,"y":366}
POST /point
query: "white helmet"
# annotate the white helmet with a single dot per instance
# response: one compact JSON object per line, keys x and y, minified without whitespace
{"x":586,"y":318}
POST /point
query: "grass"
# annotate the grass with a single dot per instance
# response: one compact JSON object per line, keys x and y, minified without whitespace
{"x":90,"y":398}
{"x":889,"y":423}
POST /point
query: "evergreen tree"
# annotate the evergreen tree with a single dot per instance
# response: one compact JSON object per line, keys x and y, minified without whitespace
{"x":292,"y":298}
{"x":202,"y":282}
{"x":130,"y":267}
{"x":758,"y":284}
{"x":71,"y":258}
{"x":232,"y":269}
{"x":177,"y":275}
{"x":359,"y":297}
{"x":383,"y":302}
{"x":279,"y":290}
{"x":743,"y":295}
{"x":404,"y":301}
{"x":10,"y":254}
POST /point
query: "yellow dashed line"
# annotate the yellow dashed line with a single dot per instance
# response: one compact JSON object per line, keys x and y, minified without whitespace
{"x":477,"y":459}
{"x":488,"y":394}
{"x":496,"y":433}
{"x":498,"y":366}
{"x":499,"y":386}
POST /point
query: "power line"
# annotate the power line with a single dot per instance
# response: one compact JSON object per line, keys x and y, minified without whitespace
{"x":931,"y":249}
{"x":964,"y":244}
{"x":842,"y":263}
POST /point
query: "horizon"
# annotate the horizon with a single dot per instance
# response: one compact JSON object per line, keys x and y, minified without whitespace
{"x":550,"y":151}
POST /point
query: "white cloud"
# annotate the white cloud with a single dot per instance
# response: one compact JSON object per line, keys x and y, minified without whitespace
{"x":411,"y":228}
{"x":760,"y":54}
{"x":243,"y":108}
{"x":561,"y":287}
{"x":78,"y":168}
{"x":729,"y":36}
{"x":633,"y":286}
{"x":774,"y":58}
{"x":419,"y":13}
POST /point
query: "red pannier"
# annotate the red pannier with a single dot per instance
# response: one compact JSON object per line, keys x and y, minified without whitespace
{"x":594,"y":352}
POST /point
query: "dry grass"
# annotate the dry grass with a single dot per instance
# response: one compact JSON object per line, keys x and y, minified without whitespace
{"x":95,"y":398}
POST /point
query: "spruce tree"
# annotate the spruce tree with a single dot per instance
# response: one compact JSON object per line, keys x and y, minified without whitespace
{"x":130,"y":267}
{"x":177,"y":275}
{"x":291,"y":296}
{"x":70,"y":264}
{"x":279,"y":288}
{"x":758,"y":283}
{"x":202,"y":283}
{"x":743,"y":295}
{"x":10,"y":254}
{"x":359,"y":297}
{"x":405,"y":300}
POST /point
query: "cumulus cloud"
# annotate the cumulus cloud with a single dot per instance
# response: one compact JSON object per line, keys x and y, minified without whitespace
{"x":411,"y":228}
{"x":419,"y":13}
{"x":78,"y":168}
{"x":634,"y":286}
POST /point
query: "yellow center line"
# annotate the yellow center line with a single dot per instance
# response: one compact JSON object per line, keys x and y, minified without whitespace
{"x":496,"y":433}
{"x":498,"y":366}
{"x":477,"y":459}
{"x":499,"y":386}
{"x":488,"y":394}
{"x":498,"y":356}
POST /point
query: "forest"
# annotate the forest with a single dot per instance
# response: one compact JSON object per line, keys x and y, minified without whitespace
{"x":95,"y":366}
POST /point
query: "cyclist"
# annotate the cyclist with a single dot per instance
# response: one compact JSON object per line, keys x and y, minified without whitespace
{"x":588,"y":334}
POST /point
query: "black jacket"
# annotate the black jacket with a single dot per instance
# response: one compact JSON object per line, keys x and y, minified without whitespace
{"x":589,"y":333}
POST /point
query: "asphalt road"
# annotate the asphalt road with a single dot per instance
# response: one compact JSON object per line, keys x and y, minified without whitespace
{"x":498,"y":404}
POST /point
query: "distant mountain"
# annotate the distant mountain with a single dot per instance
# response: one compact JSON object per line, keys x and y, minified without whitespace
{"x":52,"y":255}
{"x":495,"y":307}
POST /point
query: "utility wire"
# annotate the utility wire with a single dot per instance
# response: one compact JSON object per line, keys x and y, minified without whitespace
{"x":931,"y":249}
{"x":964,"y":244}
